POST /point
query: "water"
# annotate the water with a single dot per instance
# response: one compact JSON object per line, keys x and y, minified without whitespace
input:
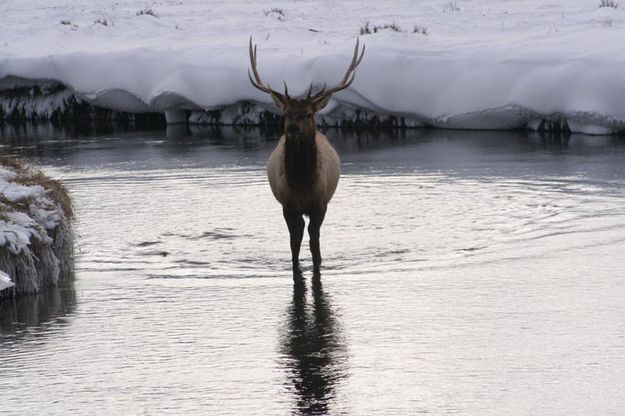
{"x":464,"y":273}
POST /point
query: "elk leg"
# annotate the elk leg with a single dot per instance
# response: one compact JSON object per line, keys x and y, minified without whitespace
{"x":316,"y":219}
{"x":295,"y":222}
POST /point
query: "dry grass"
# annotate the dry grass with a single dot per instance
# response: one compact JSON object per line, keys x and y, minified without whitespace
{"x":608,"y":3}
{"x":43,"y":263}
{"x":28,"y":175}
{"x":367,"y":29}
{"x":147,"y":11}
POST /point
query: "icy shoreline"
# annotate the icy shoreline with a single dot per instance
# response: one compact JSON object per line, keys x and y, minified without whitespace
{"x":63,"y":104}
{"x":463,"y":65}
{"x":36,"y":237}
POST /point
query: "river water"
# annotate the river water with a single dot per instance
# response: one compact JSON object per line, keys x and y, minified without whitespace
{"x":471,"y":273}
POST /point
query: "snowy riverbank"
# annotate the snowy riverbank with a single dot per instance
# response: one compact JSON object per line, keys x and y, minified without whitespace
{"x":5,"y":281}
{"x":487,"y":64}
{"x":36,"y":238}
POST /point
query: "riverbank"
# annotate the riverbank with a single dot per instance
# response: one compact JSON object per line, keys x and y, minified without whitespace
{"x":36,"y":236}
{"x":528,"y":64}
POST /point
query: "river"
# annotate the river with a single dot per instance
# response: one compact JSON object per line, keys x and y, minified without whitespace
{"x":465,"y":272}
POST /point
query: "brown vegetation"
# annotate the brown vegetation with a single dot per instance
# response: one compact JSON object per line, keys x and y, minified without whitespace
{"x":49,"y":258}
{"x":29,"y":176}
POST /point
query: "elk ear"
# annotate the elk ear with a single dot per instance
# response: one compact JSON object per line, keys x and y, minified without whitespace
{"x":321,"y":102}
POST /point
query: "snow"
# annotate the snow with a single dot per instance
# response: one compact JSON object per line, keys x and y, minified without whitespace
{"x":15,"y":192}
{"x":490,"y":64}
{"x":5,"y":281}
{"x":17,"y":228}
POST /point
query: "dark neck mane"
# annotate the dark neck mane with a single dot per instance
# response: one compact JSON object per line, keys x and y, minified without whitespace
{"x":300,"y":161}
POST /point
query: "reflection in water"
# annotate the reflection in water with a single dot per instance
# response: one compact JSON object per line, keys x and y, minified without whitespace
{"x":32,"y":314}
{"x":370,"y":151}
{"x":314,"y":350}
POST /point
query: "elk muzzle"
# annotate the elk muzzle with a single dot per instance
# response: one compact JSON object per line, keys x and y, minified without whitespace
{"x":292,"y":130}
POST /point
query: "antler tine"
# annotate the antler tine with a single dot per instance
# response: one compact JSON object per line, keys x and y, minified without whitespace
{"x":320,"y":92}
{"x":310,"y":87}
{"x":286,"y":90}
{"x":349,"y":76}
{"x":257,"y":82}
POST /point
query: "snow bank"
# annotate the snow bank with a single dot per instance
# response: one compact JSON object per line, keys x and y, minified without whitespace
{"x":36,"y":239}
{"x":487,"y":64}
{"x":5,"y":281}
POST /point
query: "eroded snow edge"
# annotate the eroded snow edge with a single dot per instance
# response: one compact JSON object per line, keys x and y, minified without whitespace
{"x":51,"y":100}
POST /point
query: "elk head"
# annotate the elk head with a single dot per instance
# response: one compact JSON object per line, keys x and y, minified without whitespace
{"x":299,"y":114}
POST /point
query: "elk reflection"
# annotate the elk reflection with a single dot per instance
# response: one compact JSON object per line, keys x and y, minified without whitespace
{"x":314,"y":350}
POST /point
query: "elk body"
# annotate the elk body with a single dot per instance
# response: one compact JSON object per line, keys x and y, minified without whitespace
{"x":304,"y":169}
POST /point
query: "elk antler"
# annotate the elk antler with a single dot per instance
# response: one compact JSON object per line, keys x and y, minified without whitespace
{"x":258,"y":83}
{"x":350,"y":74}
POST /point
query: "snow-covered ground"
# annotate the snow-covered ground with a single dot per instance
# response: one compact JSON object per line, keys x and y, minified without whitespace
{"x":480,"y":64}
{"x":36,"y":241}
{"x":5,"y":281}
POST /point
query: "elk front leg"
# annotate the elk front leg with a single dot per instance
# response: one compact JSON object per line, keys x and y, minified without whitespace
{"x":316,"y":219}
{"x":295,"y":222}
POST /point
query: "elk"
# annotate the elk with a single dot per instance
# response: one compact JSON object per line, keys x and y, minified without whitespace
{"x":303,"y":169}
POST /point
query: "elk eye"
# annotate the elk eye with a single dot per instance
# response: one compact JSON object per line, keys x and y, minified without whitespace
{"x":309,"y":114}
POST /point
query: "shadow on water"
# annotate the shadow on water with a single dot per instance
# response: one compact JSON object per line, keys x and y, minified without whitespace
{"x":314,"y":350}
{"x":34,"y":315}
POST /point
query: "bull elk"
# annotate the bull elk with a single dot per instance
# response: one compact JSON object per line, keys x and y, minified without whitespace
{"x":303,"y":169}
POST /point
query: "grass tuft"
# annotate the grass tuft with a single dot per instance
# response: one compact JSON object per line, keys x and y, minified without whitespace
{"x":452,"y":6}
{"x":420,"y":29}
{"x":608,"y":3}
{"x":369,"y":29}
{"x":102,"y":21}
{"x":147,"y":11}
{"x":277,"y":12}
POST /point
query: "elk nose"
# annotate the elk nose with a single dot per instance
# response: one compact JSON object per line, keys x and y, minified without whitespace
{"x":292,"y":130}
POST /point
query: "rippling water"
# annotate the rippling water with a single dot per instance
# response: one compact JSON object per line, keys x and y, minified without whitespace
{"x":464,"y":273}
